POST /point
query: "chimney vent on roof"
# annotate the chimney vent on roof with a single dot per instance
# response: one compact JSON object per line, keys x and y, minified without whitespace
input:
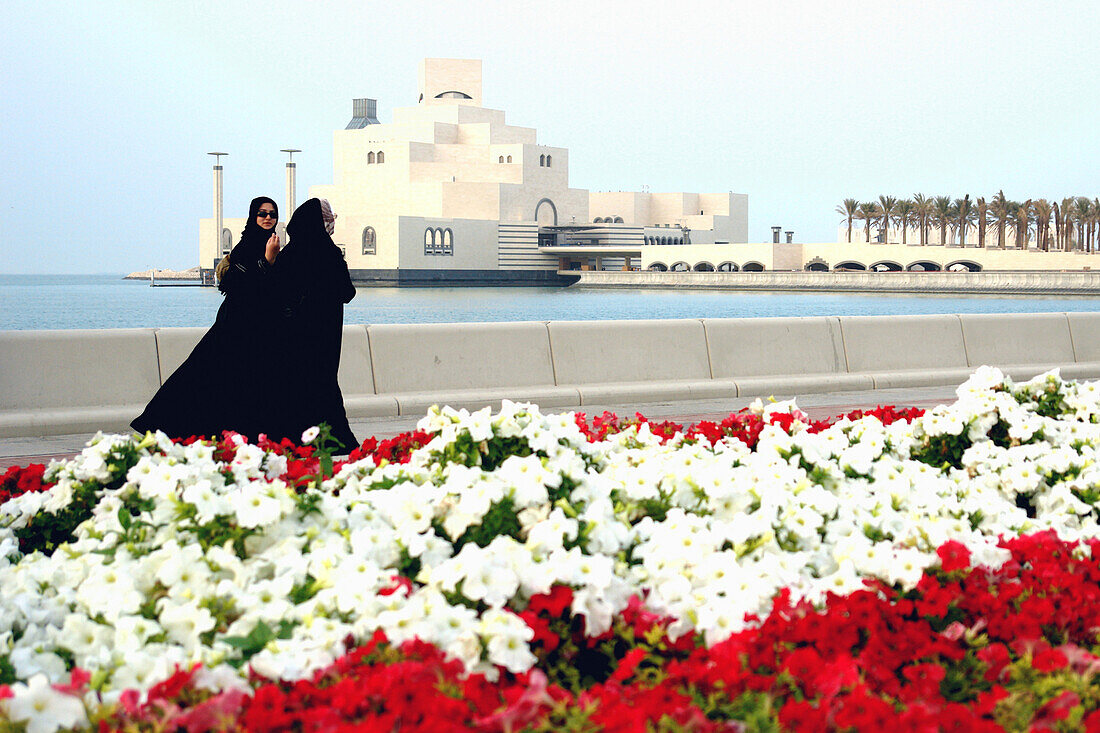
{"x":363,"y":112}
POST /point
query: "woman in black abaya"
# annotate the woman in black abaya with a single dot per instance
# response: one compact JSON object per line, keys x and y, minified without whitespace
{"x":315,"y":284}
{"x":228,"y":380}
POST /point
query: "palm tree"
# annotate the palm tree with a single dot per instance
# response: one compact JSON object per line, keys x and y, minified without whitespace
{"x":941,"y":213}
{"x":867,"y":212}
{"x":1094,"y":222}
{"x":1082,"y":209}
{"x":1023,"y":217}
{"x":849,"y":209}
{"x":998,"y":209}
{"x":903,"y":216}
{"x":1067,"y":224}
{"x":1092,"y":218}
{"x":1042,"y":210}
{"x":922,"y":210}
{"x":983,"y":214}
{"x":1057,"y":211}
{"x":965,"y":214}
{"x":886,"y":206}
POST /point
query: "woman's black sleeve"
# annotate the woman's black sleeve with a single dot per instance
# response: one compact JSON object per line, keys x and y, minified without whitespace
{"x":245,"y":277}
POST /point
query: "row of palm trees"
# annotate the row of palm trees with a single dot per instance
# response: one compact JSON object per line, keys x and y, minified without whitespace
{"x":1076,"y":220}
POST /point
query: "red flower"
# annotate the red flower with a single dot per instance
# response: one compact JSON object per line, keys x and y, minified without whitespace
{"x":400,"y":583}
{"x":801,"y":716}
{"x":924,"y":681}
{"x":552,"y":604}
{"x":996,"y":658}
{"x":1050,"y":660}
{"x":953,"y":556}
{"x":1058,"y":709}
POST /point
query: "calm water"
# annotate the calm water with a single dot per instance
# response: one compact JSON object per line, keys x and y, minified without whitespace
{"x":108,"y":301}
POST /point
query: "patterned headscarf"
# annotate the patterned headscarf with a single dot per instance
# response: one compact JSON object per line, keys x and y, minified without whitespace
{"x":328,"y":217}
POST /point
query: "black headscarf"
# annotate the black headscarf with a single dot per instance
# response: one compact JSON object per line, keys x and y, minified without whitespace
{"x":253,"y":242}
{"x":311,"y":260}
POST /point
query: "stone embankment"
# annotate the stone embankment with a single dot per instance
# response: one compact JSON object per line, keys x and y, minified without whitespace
{"x":189,"y":274}
{"x":962,"y":283}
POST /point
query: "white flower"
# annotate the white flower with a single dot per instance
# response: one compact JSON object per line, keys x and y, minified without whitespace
{"x":43,"y":708}
{"x":310,"y":435}
{"x":507,"y":641}
{"x":255,"y":506}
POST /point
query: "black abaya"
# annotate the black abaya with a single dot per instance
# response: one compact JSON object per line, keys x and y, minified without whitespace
{"x":229,"y":379}
{"x":315,"y":284}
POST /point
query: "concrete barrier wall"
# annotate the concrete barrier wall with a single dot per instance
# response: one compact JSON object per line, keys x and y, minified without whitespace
{"x":55,"y":382}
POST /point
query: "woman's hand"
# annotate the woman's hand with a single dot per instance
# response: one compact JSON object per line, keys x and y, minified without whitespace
{"x":272,"y":248}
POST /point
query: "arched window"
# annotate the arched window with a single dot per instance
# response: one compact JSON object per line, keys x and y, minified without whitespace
{"x":547,"y":161}
{"x":370,"y":157}
{"x":546,"y":214}
{"x":542,"y":160}
{"x":618,"y":220}
{"x":598,"y":220}
{"x":448,"y":242}
{"x":501,"y":159}
{"x":227,"y":241}
{"x":509,"y":158}
{"x":368,"y":241}
{"x":437,"y":239}
{"x":429,"y":241}
{"x":381,"y":157}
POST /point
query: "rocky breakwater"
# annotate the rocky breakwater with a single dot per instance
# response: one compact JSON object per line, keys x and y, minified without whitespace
{"x":189,"y":274}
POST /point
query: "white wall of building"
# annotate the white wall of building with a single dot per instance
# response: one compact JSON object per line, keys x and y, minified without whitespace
{"x":473,"y":244}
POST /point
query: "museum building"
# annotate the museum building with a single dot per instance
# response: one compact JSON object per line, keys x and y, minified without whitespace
{"x":448,"y":193}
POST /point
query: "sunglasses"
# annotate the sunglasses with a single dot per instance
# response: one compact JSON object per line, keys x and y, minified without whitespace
{"x":261,"y":214}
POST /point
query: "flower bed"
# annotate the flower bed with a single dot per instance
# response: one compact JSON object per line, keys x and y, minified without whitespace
{"x":549,"y":571}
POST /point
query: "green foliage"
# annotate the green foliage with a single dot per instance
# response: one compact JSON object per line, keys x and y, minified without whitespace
{"x":256,"y":640}
{"x":488,"y":454}
{"x":407,"y":565}
{"x":302,"y":592}
{"x":1048,"y":403}
{"x":567,"y":717}
{"x":7,"y":671}
{"x":563,"y":491}
{"x":963,"y":678}
{"x":499,"y":520}
{"x":754,"y":711}
{"x":45,"y":532}
{"x":942,"y":451}
{"x":308,"y":502}
{"x":214,"y":533}
{"x":1029,"y":690}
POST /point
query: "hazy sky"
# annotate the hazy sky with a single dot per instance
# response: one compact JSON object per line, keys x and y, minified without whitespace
{"x":107,"y":109}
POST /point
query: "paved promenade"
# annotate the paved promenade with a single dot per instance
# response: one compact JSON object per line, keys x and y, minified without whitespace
{"x":22,"y":451}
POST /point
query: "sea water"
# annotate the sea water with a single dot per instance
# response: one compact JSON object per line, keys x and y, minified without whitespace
{"x":108,"y":301}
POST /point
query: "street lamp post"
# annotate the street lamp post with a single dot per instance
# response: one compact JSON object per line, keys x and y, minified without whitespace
{"x":290,"y":171}
{"x":217,"y":205}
